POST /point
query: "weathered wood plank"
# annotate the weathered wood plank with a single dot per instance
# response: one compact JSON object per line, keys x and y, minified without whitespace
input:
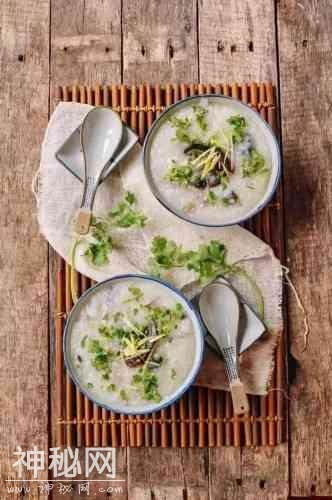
{"x":86,"y":49}
{"x":85,"y":41}
{"x":158,"y":47}
{"x":168,"y":474}
{"x":24,"y":293}
{"x":159,"y":41}
{"x":237,"y":40}
{"x":305,"y":30}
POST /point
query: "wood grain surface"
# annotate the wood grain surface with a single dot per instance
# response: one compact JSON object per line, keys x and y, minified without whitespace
{"x":46,"y":43}
{"x":305,"y":30}
{"x":24,"y":69}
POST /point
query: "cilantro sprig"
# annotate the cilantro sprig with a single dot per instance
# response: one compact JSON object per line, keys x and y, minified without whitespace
{"x":124,"y":215}
{"x":253,"y":164}
{"x":208,"y":261}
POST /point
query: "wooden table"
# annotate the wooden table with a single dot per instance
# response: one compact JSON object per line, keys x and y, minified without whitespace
{"x":45,"y":43}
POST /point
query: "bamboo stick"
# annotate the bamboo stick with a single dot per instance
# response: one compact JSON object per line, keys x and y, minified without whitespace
{"x":75,"y":278}
{"x":191,"y":415}
{"x":69,"y":385}
{"x":174,"y":426}
{"x":58,"y":349}
{"x":228,"y":414}
{"x":211,"y":413}
{"x":220,"y":416}
{"x":183,"y":425}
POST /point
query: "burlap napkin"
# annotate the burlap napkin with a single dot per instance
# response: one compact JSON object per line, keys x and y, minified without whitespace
{"x":59,"y":196}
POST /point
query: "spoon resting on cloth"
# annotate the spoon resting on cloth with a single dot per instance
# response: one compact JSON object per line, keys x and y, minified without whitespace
{"x":101,"y":134}
{"x":220,"y":310}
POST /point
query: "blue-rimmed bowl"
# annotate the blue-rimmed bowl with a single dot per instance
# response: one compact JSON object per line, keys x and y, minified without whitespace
{"x":239,"y":108}
{"x":191,"y":314}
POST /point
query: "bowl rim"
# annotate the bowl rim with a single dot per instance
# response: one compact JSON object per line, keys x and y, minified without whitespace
{"x":199,"y":336}
{"x":179,"y":214}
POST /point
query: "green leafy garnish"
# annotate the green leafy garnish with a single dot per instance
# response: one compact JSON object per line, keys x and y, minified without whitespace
{"x":99,"y":250}
{"x":89,"y":385}
{"x":212,"y":198}
{"x":180,"y":174}
{"x":208,"y":261}
{"x":102,"y":358}
{"x":125,"y":215}
{"x":200,"y":116}
{"x":239,"y":125}
{"x":173,"y":374}
{"x":147,"y":383}
{"x":111,"y":387}
{"x":136,"y":294}
{"x":253,"y":164}
{"x":166,"y":254}
{"x":181,"y":126}
{"x":124,"y":395}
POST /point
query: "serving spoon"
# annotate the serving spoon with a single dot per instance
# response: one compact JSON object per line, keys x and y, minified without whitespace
{"x":101,"y":134}
{"x":220,"y":310}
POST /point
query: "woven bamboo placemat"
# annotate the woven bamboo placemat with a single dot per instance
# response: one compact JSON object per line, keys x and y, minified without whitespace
{"x":202,"y":417}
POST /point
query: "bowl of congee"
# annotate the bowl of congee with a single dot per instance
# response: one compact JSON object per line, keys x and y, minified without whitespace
{"x":212,"y":160}
{"x":133,"y":344}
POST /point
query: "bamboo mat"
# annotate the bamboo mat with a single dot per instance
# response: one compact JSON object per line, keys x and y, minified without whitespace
{"x":202,"y":417}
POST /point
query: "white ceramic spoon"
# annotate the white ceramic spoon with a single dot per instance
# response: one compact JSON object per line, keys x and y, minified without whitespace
{"x":101,"y":134}
{"x":220,"y":311}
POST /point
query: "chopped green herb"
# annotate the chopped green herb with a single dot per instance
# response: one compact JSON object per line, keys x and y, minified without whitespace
{"x":239,"y":126}
{"x":124,"y":395}
{"x":180,"y":174}
{"x":173,"y":374}
{"x":253,"y":164}
{"x":111,"y":387}
{"x":200,"y":116}
{"x":125,"y":215}
{"x":181,"y":126}
{"x":147,"y":383}
{"x":208,"y":261}
{"x":136,"y":294}
{"x":98,"y":252}
{"x":89,"y":385}
{"x":166,"y":254}
{"x":212,"y":198}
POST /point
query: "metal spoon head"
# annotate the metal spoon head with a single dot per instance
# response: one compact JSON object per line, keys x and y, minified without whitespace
{"x":220,"y":311}
{"x":101,"y":134}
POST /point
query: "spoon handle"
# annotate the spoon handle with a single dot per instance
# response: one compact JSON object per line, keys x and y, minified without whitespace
{"x":84,"y":215}
{"x":239,"y":397}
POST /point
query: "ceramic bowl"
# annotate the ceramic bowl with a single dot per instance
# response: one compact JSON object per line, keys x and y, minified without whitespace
{"x":190,"y":312}
{"x":239,"y":108}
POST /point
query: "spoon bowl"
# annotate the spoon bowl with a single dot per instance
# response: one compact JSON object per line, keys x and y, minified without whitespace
{"x":100,"y":136}
{"x":220,"y":310}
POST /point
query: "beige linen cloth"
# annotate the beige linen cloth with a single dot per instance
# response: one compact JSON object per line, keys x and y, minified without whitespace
{"x":59,"y":196}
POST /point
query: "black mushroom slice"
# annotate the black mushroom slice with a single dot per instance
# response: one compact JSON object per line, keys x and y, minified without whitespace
{"x":196,"y":148}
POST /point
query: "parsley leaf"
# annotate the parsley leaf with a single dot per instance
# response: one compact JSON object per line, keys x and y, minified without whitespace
{"x":239,"y":126}
{"x":125,"y":215}
{"x":180,"y":174}
{"x":147,"y":383}
{"x":208,"y":262}
{"x":253,"y":164}
{"x":200,"y":116}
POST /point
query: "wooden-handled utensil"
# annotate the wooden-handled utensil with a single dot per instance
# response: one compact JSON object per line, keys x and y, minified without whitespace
{"x":100,"y":136}
{"x":220,"y":310}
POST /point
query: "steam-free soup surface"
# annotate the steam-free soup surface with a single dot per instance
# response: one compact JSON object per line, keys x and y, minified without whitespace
{"x":211,"y":161}
{"x":132,"y":344}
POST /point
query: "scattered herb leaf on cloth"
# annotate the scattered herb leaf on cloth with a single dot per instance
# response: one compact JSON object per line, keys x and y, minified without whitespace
{"x":124,"y":215}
